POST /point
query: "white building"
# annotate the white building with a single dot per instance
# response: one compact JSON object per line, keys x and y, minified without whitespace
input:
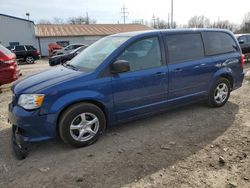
{"x":83,"y":34}
{"x":17,"y":31}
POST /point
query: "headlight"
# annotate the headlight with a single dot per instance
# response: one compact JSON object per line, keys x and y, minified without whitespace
{"x":31,"y":101}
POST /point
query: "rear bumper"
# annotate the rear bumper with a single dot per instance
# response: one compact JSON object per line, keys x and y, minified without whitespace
{"x":10,"y":75}
{"x":31,"y":125}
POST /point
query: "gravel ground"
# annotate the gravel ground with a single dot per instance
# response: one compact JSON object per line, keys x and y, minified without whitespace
{"x":192,"y":146}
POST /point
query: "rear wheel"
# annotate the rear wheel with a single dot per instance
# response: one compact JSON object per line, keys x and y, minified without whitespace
{"x":82,"y":124}
{"x":219,"y":93}
{"x":30,"y":60}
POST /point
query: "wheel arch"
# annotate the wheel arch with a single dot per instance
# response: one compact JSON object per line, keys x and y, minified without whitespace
{"x":91,"y":101}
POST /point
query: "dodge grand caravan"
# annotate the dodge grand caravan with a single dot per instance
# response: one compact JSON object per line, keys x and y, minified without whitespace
{"x":124,"y":77}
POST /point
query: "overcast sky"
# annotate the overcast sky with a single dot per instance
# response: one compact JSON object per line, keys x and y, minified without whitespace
{"x":108,"y":11}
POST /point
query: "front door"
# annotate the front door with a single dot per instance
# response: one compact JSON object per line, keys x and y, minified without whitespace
{"x":144,"y":87}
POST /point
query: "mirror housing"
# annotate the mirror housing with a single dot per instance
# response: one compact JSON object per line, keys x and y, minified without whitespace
{"x":120,"y":66}
{"x":241,"y":41}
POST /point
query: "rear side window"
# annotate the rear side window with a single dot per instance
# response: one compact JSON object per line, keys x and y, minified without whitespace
{"x":184,"y":47}
{"x":218,"y":43}
{"x":30,"y":48}
{"x":19,"y":48}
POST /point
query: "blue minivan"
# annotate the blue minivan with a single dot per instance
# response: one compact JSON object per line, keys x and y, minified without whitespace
{"x":124,"y":77}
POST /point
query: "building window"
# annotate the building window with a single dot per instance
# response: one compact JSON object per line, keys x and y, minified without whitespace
{"x":14,"y":43}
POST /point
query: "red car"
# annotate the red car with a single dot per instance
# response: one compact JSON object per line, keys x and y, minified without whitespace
{"x":9,"y":71}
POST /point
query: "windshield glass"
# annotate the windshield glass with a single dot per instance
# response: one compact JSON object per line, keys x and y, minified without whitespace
{"x":90,"y":58}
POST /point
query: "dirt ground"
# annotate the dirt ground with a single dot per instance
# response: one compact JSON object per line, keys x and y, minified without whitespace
{"x":192,"y":146}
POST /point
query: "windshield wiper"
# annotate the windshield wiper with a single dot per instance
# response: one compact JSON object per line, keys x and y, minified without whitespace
{"x":69,"y":65}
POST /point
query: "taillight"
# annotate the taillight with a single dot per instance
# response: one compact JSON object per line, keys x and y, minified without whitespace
{"x":242,"y":60}
{"x":37,"y":52}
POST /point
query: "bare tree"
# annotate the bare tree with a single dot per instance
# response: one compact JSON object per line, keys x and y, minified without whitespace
{"x":199,"y":22}
{"x":245,"y":26}
{"x":43,"y":21}
{"x":224,"y":24}
{"x":57,"y":20}
{"x":81,"y":20}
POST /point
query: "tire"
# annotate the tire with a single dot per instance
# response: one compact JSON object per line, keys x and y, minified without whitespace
{"x":217,"y":95}
{"x":83,"y":118}
{"x":30,"y":59}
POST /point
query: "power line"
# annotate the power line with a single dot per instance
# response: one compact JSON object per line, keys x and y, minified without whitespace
{"x":124,"y":12}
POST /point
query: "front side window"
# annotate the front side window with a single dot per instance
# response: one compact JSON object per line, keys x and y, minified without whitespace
{"x":218,"y":43}
{"x":90,"y":58}
{"x":143,"y":54}
{"x":184,"y":47}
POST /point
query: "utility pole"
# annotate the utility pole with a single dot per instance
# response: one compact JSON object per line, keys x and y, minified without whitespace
{"x":172,"y":13}
{"x":124,"y":12}
{"x":87,"y":18}
{"x":168,"y":21}
{"x":154,"y":19}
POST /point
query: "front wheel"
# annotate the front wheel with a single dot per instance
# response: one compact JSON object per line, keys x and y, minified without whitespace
{"x":219,"y":93}
{"x":82,"y":124}
{"x":30,"y":60}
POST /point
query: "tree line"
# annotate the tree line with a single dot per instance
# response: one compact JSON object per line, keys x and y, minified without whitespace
{"x":194,"y":22}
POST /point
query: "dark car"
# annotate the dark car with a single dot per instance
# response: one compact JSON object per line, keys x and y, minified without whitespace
{"x":59,"y":59}
{"x":124,"y":77}
{"x":9,"y":70}
{"x":25,"y":52}
{"x":68,"y":48}
{"x":244,"y":40}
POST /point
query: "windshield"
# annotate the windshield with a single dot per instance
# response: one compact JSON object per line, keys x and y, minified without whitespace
{"x":94,"y":55}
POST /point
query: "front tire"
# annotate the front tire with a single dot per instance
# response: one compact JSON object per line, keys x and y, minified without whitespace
{"x":82,"y":124}
{"x":219,"y":93}
{"x":30,"y":59}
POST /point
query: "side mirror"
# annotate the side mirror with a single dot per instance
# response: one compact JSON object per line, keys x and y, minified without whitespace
{"x":241,"y":41}
{"x":120,"y":66}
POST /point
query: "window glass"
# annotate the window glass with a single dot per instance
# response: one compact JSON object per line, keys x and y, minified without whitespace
{"x":30,"y":48}
{"x":19,"y":48}
{"x":218,"y":43}
{"x":184,"y":47}
{"x":248,"y":38}
{"x":243,"y":38}
{"x":90,"y":58}
{"x":63,"y":43}
{"x":143,"y":54}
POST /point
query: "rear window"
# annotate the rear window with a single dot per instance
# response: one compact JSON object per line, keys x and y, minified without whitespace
{"x":184,"y":47}
{"x":4,"y":50}
{"x":218,"y":43}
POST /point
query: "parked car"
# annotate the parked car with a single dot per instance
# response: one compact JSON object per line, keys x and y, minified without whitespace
{"x":244,"y":40}
{"x":63,"y":58}
{"x":9,"y":70}
{"x":68,"y":49}
{"x":124,"y":77}
{"x":25,"y":52}
{"x":53,"y":47}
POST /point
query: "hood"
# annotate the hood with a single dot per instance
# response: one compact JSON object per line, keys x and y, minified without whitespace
{"x":43,"y":80}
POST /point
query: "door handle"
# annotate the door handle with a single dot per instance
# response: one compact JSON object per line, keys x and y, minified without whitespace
{"x":177,"y":70}
{"x":160,"y":73}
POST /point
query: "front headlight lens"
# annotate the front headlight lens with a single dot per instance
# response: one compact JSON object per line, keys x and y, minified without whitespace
{"x":31,"y":101}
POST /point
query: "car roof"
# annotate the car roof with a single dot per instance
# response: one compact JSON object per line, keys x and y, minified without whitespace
{"x":242,"y":34}
{"x":189,"y":30}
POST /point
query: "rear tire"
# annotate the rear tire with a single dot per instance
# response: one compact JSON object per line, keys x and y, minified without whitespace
{"x":82,"y":124}
{"x":219,"y":93}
